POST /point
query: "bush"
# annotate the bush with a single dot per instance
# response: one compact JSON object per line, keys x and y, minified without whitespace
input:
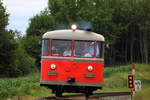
{"x":14,"y":60}
{"x":112,"y":70}
{"x":31,"y":45}
{"x":24,"y":63}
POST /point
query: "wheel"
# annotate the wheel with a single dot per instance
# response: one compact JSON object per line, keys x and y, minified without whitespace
{"x":58,"y":93}
{"x":88,"y":93}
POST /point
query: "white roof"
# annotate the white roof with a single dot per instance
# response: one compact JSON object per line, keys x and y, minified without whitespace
{"x":73,"y":35}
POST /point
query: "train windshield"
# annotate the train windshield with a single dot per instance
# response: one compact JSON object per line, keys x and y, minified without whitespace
{"x":84,"y":49}
{"x":61,"y":47}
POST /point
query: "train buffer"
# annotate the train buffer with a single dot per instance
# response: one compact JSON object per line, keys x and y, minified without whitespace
{"x":97,"y":96}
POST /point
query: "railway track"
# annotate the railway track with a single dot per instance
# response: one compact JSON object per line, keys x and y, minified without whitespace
{"x":97,"y":96}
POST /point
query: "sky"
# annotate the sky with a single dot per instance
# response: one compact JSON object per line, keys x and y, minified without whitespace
{"x":21,"y":11}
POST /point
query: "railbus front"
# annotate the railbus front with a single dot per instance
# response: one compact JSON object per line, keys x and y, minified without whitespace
{"x":72,"y":61}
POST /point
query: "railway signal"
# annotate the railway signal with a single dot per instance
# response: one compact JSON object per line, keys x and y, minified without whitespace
{"x":131,"y":81}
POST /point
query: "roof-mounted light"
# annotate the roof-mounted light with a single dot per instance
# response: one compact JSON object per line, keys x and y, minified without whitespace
{"x":73,"y":27}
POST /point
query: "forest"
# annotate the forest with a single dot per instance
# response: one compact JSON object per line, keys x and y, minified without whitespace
{"x":125,"y":25}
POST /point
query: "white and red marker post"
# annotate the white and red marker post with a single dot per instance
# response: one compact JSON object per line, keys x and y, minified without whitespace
{"x":133,"y":73}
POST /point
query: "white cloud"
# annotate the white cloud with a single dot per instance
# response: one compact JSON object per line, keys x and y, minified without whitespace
{"x":22,"y":10}
{"x":25,"y":5}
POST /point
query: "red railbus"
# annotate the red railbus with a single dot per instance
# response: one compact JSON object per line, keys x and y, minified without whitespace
{"x":72,"y":61}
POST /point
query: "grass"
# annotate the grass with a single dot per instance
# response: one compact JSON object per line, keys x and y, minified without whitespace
{"x":115,"y":80}
{"x":27,"y":85}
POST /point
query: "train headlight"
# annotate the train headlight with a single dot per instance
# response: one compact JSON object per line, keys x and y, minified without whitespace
{"x":53,"y":66}
{"x":90,"y":68}
{"x":74,"y":27}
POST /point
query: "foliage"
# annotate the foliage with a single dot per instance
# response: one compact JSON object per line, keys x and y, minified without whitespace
{"x":3,"y":16}
{"x":28,"y":85}
{"x":143,"y":95}
{"x":7,"y":44}
{"x":109,"y":71}
{"x":40,"y":23}
{"x":117,"y":76}
{"x":32,"y":45}
{"x":24,"y":63}
{"x":124,"y":23}
{"x":14,"y":61}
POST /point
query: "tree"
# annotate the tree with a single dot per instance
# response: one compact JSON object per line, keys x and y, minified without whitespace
{"x":7,"y":45}
{"x":124,"y":24}
{"x":143,"y":13}
{"x":40,"y":23}
{"x":14,"y":60}
{"x":63,"y":10}
{"x":3,"y":16}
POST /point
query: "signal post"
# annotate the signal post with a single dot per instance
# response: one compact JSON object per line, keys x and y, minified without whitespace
{"x":131,"y":80}
{"x":133,"y":73}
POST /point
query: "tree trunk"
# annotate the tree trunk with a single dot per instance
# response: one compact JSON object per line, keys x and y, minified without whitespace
{"x":131,"y":48}
{"x":145,"y":45}
{"x":126,"y":49}
{"x":141,"y":47}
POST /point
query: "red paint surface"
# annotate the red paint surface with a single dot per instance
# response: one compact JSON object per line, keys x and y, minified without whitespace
{"x":74,"y":69}
{"x":133,"y":66}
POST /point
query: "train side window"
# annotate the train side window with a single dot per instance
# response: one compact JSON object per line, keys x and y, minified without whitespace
{"x":61,"y":48}
{"x":45,"y":47}
{"x":99,"y":49}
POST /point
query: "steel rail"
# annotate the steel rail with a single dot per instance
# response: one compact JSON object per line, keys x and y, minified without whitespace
{"x":82,"y":96}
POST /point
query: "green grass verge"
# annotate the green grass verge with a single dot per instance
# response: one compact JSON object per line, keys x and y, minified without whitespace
{"x":27,"y":85}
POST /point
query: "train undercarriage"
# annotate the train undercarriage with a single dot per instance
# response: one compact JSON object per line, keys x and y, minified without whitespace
{"x":59,"y":89}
